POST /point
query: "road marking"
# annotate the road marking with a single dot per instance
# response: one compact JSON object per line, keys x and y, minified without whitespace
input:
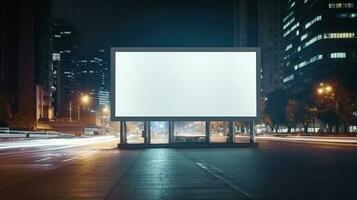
{"x":69,"y":159}
{"x":219,"y":174}
{"x":43,"y":159}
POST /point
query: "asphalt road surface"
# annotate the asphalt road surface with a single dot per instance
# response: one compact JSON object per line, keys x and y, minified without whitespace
{"x":96,"y":169}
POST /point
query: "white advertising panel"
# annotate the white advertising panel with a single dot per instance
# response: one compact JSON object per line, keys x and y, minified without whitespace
{"x":184,"y":84}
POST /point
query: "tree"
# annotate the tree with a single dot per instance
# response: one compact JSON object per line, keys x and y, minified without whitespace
{"x":305,"y":112}
{"x":276,"y":108}
{"x":291,"y":113}
{"x":346,"y":104}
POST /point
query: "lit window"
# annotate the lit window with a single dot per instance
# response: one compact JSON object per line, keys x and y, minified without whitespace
{"x":341,"y":5}
{"x":346,"y":15}
{"x":338,"y":55}
{"x":57,"y":36}
{"x":308,"y":61}
{"x":288,"y":23}
{"x":303,"y":37}
{"x":289,"y":15}
{"x":56,"y":56}
{"x":288,"y":78}
{"x":312,"y":40}
{"x":291,"y":29}
{"x":313,"y":21}
{"x":288,"y":47}
{"x":339,"y":35}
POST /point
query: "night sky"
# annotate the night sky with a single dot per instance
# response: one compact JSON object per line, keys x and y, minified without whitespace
{"x":148,"y":23}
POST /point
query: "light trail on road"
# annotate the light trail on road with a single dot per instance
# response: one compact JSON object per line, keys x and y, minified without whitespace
{"x":343,"y":140}
{"x":54,"y":144}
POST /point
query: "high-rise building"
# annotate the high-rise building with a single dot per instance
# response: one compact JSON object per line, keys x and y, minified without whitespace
{"x":319,"y":37}
{"x":258,"y":24}
{"x":65,"y":56}
{"x":25,"y":60}
{"x":94,"y":77}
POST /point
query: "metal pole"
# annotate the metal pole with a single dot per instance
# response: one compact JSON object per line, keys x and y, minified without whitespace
{"x":251,"y":132}
{"x":208,"y":124}
{"x":171,"y":132}
{"x":145,"y":132}
{"x":125,"y":132}
{"x":121,"y":132}
{"x":149,"y":132}
{"x":230,"y":131}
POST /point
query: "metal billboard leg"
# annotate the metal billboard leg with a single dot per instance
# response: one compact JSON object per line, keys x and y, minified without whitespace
{"x":208,"y":123}
{"x":230,"y":132}
{"x":251,"y":132}
{"x":171,"y":132}
{"x":121,"y":132}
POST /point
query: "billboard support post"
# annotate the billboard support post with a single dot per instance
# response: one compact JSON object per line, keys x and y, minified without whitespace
{"x":230,"y":132}
{"x":121,"y":132}
{"x":125,"y":132}
{"x":148,"y":132}
{"x":208,"y":124}
{"x":171,"y":132}
{"x":251,"y":132}
{"x":145,"y":132}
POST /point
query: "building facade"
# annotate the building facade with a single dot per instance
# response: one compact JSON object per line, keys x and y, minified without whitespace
{"x":319,"y":37}
{"x":65,"y":56}
{"x":94,"y":78}
{"x":258,"y":24}
{"x":25,"y":60}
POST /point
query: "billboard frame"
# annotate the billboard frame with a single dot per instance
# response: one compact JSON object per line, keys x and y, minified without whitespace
{"x":113,"y":50}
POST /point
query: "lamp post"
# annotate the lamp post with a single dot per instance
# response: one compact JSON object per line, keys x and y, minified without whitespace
{"x":326,"y":90}
{"x":105,"y":112}
{"x":84,"y":99}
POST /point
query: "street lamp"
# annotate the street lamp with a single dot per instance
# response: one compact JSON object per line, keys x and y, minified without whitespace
{"x":324,"y":89}
{"x":84,"y":99}
{"x":105,"y":113}
{"x":327,"y":91}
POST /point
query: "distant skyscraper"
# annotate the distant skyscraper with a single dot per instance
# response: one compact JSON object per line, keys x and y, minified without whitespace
{"x":319,"y":36}
{"x":94,"y":77}
{"x":258,"y":24}
{"x":65,"y":55}
{"x":25,"y":59}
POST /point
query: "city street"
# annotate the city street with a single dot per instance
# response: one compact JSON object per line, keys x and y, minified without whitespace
{"x":93,"y":168}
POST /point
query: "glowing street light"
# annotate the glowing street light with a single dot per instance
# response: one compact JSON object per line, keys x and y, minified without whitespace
{"x":85,"y":99}
{"x":105,"y":110}
{"x":324,"y":89}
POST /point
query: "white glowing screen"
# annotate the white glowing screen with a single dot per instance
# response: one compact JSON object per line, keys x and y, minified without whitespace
{"x":185,"y":84}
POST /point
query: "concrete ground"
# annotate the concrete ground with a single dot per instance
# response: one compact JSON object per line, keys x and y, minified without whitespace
{"x":273,"y":170}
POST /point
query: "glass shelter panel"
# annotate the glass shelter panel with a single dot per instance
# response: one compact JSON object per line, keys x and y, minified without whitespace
{"x":135,"y":132}
{"x":159,"y":131}
{"x":241,"y":132}
{"x":218,"y":132}
{"x":189,"y":132}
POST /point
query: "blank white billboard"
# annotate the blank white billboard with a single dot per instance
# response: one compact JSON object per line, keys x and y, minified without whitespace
{"x":184,"y":84}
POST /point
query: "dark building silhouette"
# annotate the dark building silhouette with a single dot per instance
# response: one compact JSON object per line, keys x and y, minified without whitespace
{"x":319,"y":37}
{"x":258,"y":24}
{"x":94,"y":77}
{"x":25,"y":60}
{"x":65,"y":54}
